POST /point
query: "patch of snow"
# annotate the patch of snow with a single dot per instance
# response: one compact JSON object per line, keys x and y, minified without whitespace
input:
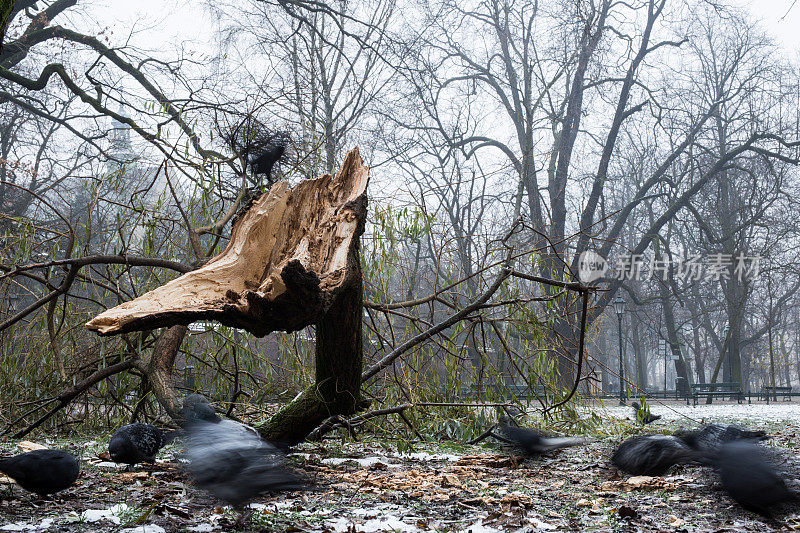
{"x":753,"y":414}
{"x":17,"y":526}
{"x":364,"y":463}
{"x":538,"y":524}
{"x":477,"y":527}
{"x":22,"y":526}
{"x":387,"y":523}
{"x":111,"y":514}
{"x":145,"y":528}
{"x":109,"y":464}
{"x":340,"y":525}
{"x":427,"y":456}
{"x":203,"y":528}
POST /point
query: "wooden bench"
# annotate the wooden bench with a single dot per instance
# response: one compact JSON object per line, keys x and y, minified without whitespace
{"x":709,"y":390}
{"x":768,"y":392}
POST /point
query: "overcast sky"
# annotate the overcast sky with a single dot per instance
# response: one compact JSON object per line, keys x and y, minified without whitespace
{"x":785,"y":30}
{"x":181,"y":20}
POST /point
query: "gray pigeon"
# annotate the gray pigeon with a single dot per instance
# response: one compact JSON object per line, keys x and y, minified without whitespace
{"x":236,"y":466}
{"x":138,"y":443}
{"x":196,"y":408}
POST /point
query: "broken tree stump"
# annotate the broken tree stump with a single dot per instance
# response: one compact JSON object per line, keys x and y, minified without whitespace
{"x":292,"y":261}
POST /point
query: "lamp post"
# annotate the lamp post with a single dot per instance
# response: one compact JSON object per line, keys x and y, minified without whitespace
{"x":619,"y":308}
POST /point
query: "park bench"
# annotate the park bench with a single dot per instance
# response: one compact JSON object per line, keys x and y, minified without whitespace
{"x":768,"y":392}
{"x":709,"y":390}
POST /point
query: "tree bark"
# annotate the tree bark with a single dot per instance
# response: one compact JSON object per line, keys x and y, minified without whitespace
{"x":292,"y":261}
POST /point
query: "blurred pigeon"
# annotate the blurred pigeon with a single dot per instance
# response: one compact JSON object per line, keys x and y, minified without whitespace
{"x":42,"y":471}
{"x":651,"y":455}
{"x":236,"y":466}
{"x":531,"y":442}
{"x":709,"y":438}
{"x":138,"y":443}
{"x":643,"y":416}
{"x":749,"y":478}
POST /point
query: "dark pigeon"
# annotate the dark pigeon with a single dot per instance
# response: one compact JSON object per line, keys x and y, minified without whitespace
{"x":42,"y":471}
{"x":531,"y":442}
{"x":643,"y":416}
{"x":651,"y":455}
{"x":267,"y":155}
{"x":138,"y":443}
{"x":236,"y":466}
{"x":709,"y":438}
{"x":749,"y":478}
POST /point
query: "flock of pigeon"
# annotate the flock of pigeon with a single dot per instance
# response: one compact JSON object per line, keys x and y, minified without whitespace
{"x":233,"y":463}
{"x":227,"y":459}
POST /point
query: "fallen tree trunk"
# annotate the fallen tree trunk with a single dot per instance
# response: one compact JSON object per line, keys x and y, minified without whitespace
{"x":292,"y":261}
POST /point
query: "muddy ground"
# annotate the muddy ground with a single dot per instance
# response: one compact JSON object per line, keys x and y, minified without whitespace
{"x":367,"y":486}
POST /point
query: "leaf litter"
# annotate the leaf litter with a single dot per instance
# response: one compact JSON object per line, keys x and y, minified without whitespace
{"x":362,"y":487}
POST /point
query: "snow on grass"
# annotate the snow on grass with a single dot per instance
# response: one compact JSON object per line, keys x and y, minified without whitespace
{"x":22,"y":526}
{"x":111,"y":514}
{"x":203,"y":528}
{"x":373,"y":525}
{"x":753,"y":414}
{"x":146,"y":528}
{"x":366,"y":462}
{"x":389,"y":461}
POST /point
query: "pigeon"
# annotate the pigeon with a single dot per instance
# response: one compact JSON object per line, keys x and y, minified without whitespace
{"x":651,"y":455}
{"x":42,"y":471}
{"x":196,"y":408}
{"x":709,"y":438}
{"x":236,"y":466}
{"x":268,"y":154}
{"x":749,"y":478}
{"x":138,"y":443}
{"x":532,"y":443}
{"x":643,"y":416}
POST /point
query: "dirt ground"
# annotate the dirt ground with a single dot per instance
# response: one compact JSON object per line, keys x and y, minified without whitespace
{"x":369,"y":487}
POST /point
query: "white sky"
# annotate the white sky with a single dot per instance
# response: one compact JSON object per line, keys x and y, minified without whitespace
{"x":785,"y":30}
{"x":182,"y":20}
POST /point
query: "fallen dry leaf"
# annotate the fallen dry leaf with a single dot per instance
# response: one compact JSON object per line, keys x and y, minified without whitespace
{"x":29,"y":446}
{"x":640,"y":483}
{"x":451,"y":480}
{"x":675,"y":521}
{"x":130,"y":476}
{"x":494,"y":461}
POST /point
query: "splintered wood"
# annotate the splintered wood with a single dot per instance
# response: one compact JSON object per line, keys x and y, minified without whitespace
{"x":286,"y":261}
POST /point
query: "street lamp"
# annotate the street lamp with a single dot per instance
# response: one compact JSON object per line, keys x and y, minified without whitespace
{"x":619,"y":308}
